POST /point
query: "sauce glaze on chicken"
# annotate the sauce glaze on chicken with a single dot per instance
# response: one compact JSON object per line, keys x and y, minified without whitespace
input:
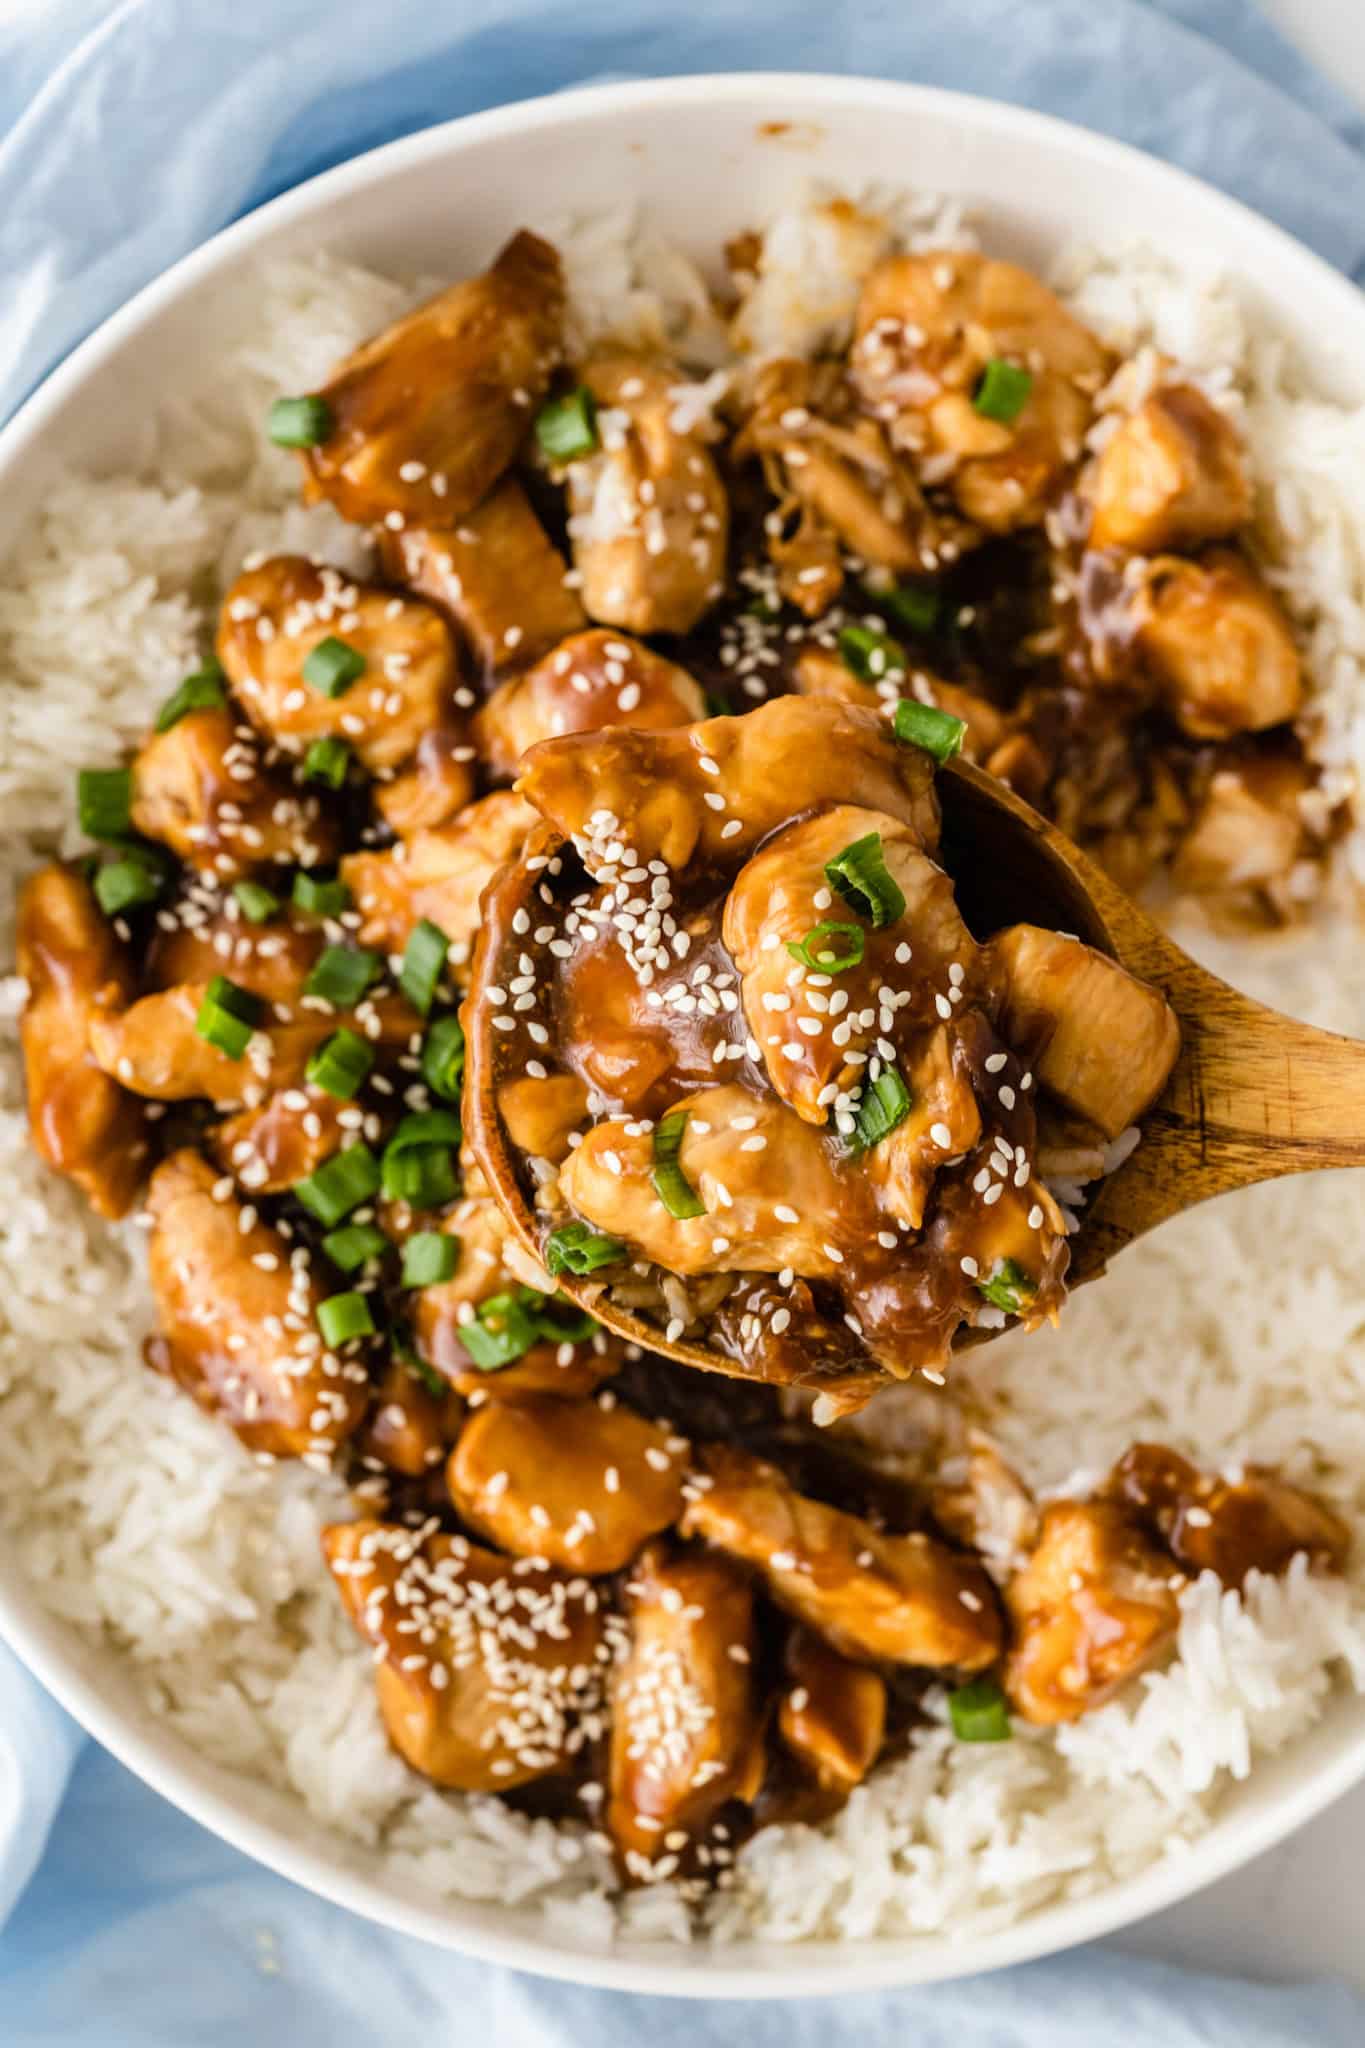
{"x":594,"y":1583}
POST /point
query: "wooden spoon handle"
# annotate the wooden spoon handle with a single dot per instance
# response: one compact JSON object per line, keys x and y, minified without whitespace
{"x":1254,"y":1095}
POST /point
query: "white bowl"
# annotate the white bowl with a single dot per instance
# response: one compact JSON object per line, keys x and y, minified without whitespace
{"x":705,"y":157}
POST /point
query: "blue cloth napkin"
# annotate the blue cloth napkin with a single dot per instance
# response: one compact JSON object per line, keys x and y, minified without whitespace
{"x":127,"y":136}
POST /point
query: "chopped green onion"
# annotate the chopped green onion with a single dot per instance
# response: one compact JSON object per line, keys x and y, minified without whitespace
{"x":201,"y":691}
{"x":923,"y":725}
{"x":434,"y":1382}
{"x":341,"y":975}
{"x":104,"y":802}
{"x":425,"y":1127}
{"x":333,"y":666}
{"x":885,"y":1103}
{"x":566,"y":427}
{"x":1008,"y":1287}
{"x":579,"y":1249}
{"x":339,"y":1185}
{"x":354,"y":1244}
{"x":829,"y":948}
{"x":327,"y":761}
{"x":424,"y":958}
{"x":443,"y":1058}
{"x":558,"y":1320}
{"x":870,"y":656}
{"x":228,"y":1015}
{"x":1002,"y":391}
{"x":502,"y":1331}
{"x":910,"y":604}
{"x":671,"y":1184}
{"x":320,"y":898}
{"x":340,"y":1065}
{"x":978,"y":1712}
{"x":135,"y":877}
{"x":258,"y":904}
{"x":429,"y":1257}
{"x":716,"y":706}
{"x":423,"y":1176}
{"x":861,"y":876}
{"x":344,"y":1316}
{"x":300,"y":422}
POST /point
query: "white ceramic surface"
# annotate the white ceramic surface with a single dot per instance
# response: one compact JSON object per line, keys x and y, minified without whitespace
{"x":706,"y":157}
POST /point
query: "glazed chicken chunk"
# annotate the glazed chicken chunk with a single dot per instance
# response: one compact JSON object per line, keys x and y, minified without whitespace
{"x":82,"y":1122}
{"x":1254,"y":1521}
{"x":1250,"y":829}
{"x":876,"y":1598}
{"x":831,"y":1714}
{"x":935,"y":331}
{"x":238,"y":1319}
{"x":781,"y":896}
{"x":1103,"y":1042}
{"x":1095,"y":1604}
{"x":649,"y":517}
{"x":583,"y":1484}
{"x":1216,"y":645}
{"x":425,"y":417}
{"x":278,"y":616}
{"x":686,"y":1722}
{"x":271,"y":1148}
{"x":490,"y":1673}
{"x":714,"y":791}
{"x":497,"y":576}
{"x":437,"y":875}
{"x":410,"y":1426}
{"x":202,"y":789}
{"x":591,"y":680}
{"x":1172,"y":475}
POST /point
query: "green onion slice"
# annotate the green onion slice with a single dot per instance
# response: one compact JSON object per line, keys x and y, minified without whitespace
{"x":1002,"y":391}
{"x":885,"y":1103}
{"x":340,"y":1065}
{"x":829,"y":948}
{"x":434,"y":1382}
{"x":354,"y":1244}
{"x":566,"y":427}
{"x":671,"y":1184}
{"x":978,"y":1712}
{"x":327,"y":761}
{"x":424,"y":959}
{"x":502,"y":1330}
{"x":318,"y":897}
{"x":579,"y":1249}
{"x":861,"y":876}
{"x":423,"y":1176}
{"x":1008,"y":1287}
{"x":300,"y":422}
{"x":869,"y":655}
{"x":104,"y":802}
{"x":136,"y":877}
{"x":333,"y":666}
{"x":914,"y":605}
{"x":425,"y":1127}
{"x":201,"y":691}
{"x":339,"y":1185}
{"x":341,"y":975}
{"x":559,"y":1320}
{"x":443,"y":1058}
{"x":258,"y":904}
{"x":923,"y":725}
{"x":344,"y":1316}
{"x":228,"y":1015}
{"x":429,"y":1257}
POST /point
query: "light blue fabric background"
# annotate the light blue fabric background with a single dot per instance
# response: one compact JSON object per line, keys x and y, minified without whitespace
{"x":127,"y":136}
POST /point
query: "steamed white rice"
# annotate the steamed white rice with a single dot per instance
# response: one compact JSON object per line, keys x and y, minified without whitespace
{"x":1238,"y":1334}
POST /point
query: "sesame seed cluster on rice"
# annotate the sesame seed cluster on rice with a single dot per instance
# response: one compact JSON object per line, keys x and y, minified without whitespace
{"x":148,"y":1528}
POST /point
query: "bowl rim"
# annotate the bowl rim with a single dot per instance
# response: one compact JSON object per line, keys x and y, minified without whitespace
{"x":43,"y":1642}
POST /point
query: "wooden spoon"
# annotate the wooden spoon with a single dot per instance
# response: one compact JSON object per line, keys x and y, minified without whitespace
{"x":1253,"y":1094}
